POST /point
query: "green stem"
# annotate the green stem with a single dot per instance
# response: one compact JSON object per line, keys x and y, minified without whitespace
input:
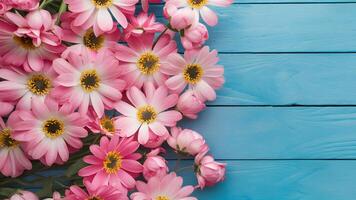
{"x":159,"y":37}
{"x":45,"y":3}
{"x":62,"y":9}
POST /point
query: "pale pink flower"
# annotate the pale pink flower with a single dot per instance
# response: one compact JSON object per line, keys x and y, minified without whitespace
{"x":29,"y":41}
{"x":13,"y":160}
{"x":89,"y":81}
{"x":48,"y":130}
{"x":56,"y":196}
{"x":200,"y":8}
{"x":154,"y":165}
{"x":186,"y":141}
{"x":189,"y":105}
{"x":105,"y":125}
{"x":4,"y":7}
{"x":96,"y":13}
{"x":86,"y":40}
{"x":198,"y":70}
{"x":142,"y":24}
{"x":179,"y":19}
{"x":194,"y":36}
{"x":24,"y":87}
{"x":5,"y":107}
{"x":113,"y":163}
{"x":103,"y":192}
{"x":26,"y":5}
{"x":148,"y":112}
{"x":23,"y":195}
{"x":142,"y":64}
{"x":166,"y":187}
{"x":155,"y":141}
{"x":145,"y":4}
{"x":208,"y":171}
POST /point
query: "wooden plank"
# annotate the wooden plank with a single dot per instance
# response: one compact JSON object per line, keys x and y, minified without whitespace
{"x":284,"y":79}
{"x":287,"y":180}
{"x":278,"y":132}
{"x":284,"y":28}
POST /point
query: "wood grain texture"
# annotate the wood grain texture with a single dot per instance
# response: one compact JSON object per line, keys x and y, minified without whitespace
{"x":283,"y":180}
{"x":278,"y":132}
{"x":285,"y":79}
{"x":284,"y":28}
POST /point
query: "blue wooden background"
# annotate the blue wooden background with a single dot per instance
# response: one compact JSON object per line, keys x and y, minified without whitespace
{"x":285,"y":121}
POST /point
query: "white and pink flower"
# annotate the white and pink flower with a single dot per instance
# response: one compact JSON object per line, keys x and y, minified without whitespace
{"x":198,"y":70}
{"x":186,"y":141}
{"x":189,"y":105}
{"x":89,"y":81}
{"x":49,"y":130}
{"x":97,"y":13}
{"x":142,"y":24}
{"x":29,"y":41}
{"x":23,"y":195}
{"x":142,"y":63}
{"x":194,"y":36}
{"x":102,"y":192}
{"x":166,"y":187}
{"x":155,"y":165}
{"x":149,"y":112}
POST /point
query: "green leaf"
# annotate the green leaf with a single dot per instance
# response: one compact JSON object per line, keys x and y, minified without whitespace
{"x":7,"y":192}
{"x":47,"y":189}
{"x":75,"y":167}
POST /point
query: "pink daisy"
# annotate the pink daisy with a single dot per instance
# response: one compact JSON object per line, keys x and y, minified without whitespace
{"x":114,"y":163}
{"x":100,"y":193}
{"x":200,"y":8}
{"x":5,"y":107}
{"x":29,"y":41}
{"x":96,"y":13}
{"x":25,"y":87}
{"x":142,"y":24}
{"x":168,"y":187}
{"x":198,"y":70}
{"x":85,"y":81}
{"x":148,"y":113}
{"x":13,"y":160}
{"x":49,"y":130}
{"x":86,"y":40}
{"x":142,"y":64}
{"x":105,"y":125}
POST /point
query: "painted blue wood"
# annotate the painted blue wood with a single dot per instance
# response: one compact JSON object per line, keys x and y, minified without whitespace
{"x":284,"y":79}
{"x":284,"y":28}
{"x":283,"y":180}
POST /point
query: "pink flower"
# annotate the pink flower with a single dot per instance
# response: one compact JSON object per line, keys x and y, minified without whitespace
{"x":142,"y":24}
{"x":24,"y":87}
{"x":145,"y":4}
{"x":5,"y":108}
{"x":56,"y":196}
{"x":104,"y":125}
{"x":100,"y":193}
{"x":142,"y":64}
{"x":114,"y":163}
{"x":166,"y":187}
{"x":4,"y":7}
{"x":85,"y":81}
{"x":189,"y":105}
{"x":86,"y":40}
{"x":29,"y":41}
{"x":48,"y":130}
{"x":148,"y":113}
{"x":186,"y":141}
{"x":208,"y":171}
{"x":154,"y":165}
{"x":179,"y":19}
{"x":155,"y":141}
{"x":194,"y":36}
{"x":24,"y":195}
{"x":96,"y":13}
{"x":198,"y":70}
{"x":26,"y":5}
{"x":201,"y":8}
{"x":13,"y":160}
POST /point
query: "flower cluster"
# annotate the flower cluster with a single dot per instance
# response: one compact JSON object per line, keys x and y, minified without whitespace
{"x":72,"y":70}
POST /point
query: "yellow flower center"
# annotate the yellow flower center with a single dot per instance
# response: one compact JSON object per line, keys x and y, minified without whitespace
{"x":6,"y":140}
{"x":112,"y":162}
{"x":102,"y":3}
{"x":197,"y":3}
{"x":94,"y":198}
{"x":39,"y":84}
{"x":53,"y":128}
{"x":162,"y":197}
{"x":148,"y":63}
{"x":107,"y":124}
{"x":93,"y":42}
{"x":89,"y":80}
{"x":24,"y":42}
{"x":146,"y":114}
{"x":193,"y":73}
